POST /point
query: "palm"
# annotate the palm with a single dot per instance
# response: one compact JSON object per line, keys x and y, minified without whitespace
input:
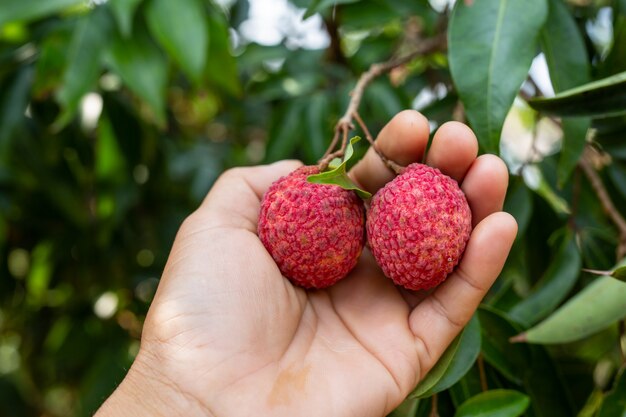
{"x":354,"y":335}
{"x":231,"y":332}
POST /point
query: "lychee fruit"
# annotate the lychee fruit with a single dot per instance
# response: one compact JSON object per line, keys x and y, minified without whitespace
{"x":314,"y":232}
{"x":418,"y":226}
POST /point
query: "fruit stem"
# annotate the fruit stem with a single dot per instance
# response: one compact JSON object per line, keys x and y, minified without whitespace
{"x":483,"y":375}
{"x":344,"y":125}
{"x":596,"y":183}
{"x":398,"y":169}
{"x":329,"y":155}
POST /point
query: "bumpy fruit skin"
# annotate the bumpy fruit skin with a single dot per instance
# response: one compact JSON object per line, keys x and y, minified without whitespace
{"x":314,"y":232}
{"x":418,"y":226}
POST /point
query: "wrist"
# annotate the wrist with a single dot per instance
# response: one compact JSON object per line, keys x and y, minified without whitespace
{"x":147,"y":392}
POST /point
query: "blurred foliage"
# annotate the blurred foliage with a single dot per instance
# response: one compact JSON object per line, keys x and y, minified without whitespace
{"x":117,"y":116}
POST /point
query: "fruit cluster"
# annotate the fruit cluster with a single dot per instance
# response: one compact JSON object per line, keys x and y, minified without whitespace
{"x":417,"y":227}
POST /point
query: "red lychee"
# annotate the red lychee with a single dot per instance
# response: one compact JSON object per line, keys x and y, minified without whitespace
{"x":418,"y":226}
{"x":314,"y":232}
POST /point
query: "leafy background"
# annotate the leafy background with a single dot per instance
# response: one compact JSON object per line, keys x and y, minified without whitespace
{"x":116,"y":117}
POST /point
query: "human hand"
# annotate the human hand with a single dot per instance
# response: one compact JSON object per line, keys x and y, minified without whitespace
{"x":228,"y":335}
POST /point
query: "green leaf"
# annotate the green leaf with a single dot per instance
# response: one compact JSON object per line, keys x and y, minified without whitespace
{"x":320,"y":5}
{"x":89,"y":40}
{"x":574,"y":141}
{"x":620,"y":274}
{"x":143,"y":68}
{"x":491,"y":46}
{"x":40,"y":274}
{"x":453,"y":364}
{"x":285,"y":134}
{"x":123,"y":11}
{"x":597,"y":306}
{"x":338,"y":176}
{"x":510,"y":360}
{"x":221,"y":66}
{"x":614,"y":404}
{"x":554,"y":286}
{"x":535,"y":180}
{"x":181,"y":28}
{"x":13,"y":101}
{"x":494,"y":403}
{"x":564,"y":48}
{"x":602,"y":98}
{"x":25,"y":10}
{"x":545,"y":384}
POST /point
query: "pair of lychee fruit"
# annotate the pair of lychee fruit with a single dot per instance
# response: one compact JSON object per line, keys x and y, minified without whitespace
{"x":417,"y":228}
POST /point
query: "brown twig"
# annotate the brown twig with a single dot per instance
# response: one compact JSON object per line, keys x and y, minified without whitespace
{"x":434,"y":412}
{"x":397,"y":168}
{"x":605,"y":200}
{"x":344,"y":125}
{"x":483,"y":375}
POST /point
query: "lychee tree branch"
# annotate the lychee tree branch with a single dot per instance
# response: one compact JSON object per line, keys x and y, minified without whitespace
{"x":607,"y":203}
{"x":344,"y":125}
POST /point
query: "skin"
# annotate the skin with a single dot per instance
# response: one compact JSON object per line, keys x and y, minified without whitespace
{"x":228,"y":335}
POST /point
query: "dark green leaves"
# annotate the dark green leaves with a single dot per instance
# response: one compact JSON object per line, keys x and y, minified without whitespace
{"x":553,"y":286}
{"x":491,"y":46}
{"x":32,"y":9}
{"x":143,"y":68}
{"x":494,"y":403}
{"x":182,"y":30}
{"x":338,"y":175}
{"x":89,"y":40}
{"x":566,"y":55}
{"x":453,"y":364}
{"x":603,"y":98}
{"x":124,"y":10}
{"x":564,"y":48}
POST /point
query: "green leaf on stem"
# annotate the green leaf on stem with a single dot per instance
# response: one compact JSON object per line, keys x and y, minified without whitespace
{"x":602,"y":98}
{"x":143,"y":68}
{"x":491,"y":46}
{"x":181,"y":28}
{"x":338,"y":175}
{"x":600,"y":304}
{"x":554,"y":286}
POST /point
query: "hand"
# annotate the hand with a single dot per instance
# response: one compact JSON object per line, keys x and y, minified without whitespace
{"x":227,"y":335}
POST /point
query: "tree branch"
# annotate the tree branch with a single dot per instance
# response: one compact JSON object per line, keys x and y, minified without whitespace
{"x":605,"y":200}
{"x":344,"y":125}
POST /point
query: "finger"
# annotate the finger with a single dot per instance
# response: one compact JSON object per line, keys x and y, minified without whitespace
{"x":402,"y":140}
{"x":234,"y":201}
{"x":453,"y":150}
{"x":437,"y":320}
{"x":485,"y":186}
